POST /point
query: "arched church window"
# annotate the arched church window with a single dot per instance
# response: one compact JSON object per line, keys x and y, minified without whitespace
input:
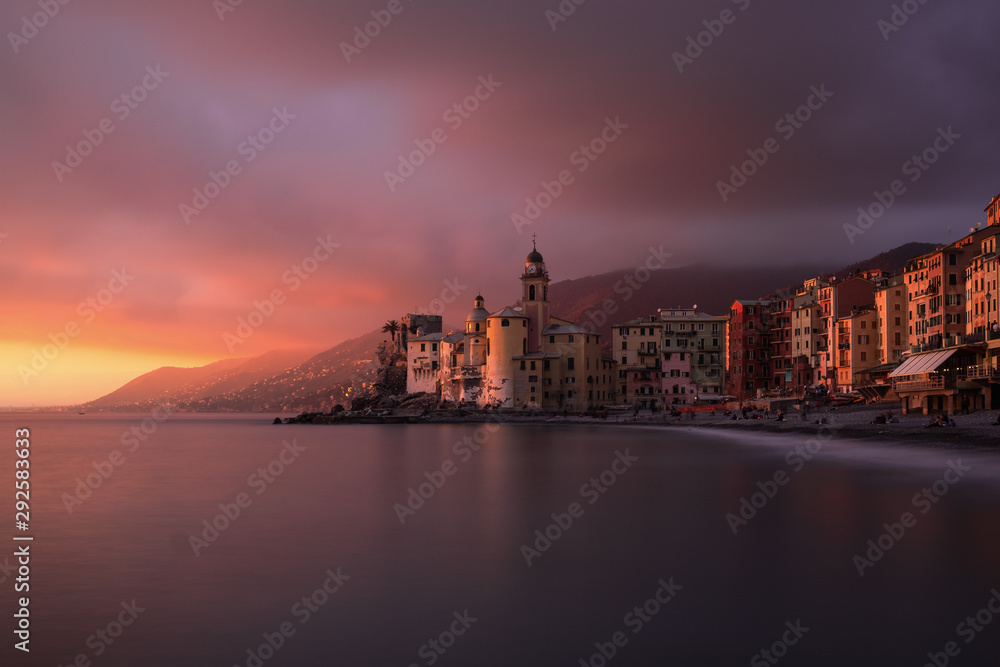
{"x":505,"y":323}
{"x":531,"y":292}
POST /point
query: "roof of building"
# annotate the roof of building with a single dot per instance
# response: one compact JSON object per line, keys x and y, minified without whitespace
{"x":477,"y":315}
{"x":534,"y":255}
{"x":509,"y":312}
{"x":664,"y":317}
{"x":539,"y":355}
{"x":640,"y":322}
{"x":431,"y":337}
{"x":454,"y":337}
{"x":556,"y":329}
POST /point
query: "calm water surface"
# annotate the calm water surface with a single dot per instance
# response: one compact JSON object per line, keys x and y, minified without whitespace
{"x":331,"y":505}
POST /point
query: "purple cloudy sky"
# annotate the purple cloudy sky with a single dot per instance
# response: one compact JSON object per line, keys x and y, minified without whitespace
{"x":324,"y":173}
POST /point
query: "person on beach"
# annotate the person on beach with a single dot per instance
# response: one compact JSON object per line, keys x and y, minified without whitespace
{"x":936,"y":421}
{"x":965,"y":405}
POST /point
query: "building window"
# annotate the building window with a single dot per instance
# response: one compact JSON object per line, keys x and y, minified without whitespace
{"x":624,"y":345}
{"x":571,"y":339}
{"x":532,"y":365}
{"x":546,"y":366}
{"x":477,"y":326}
{"x":505,"y":323}
{"x":434,"y":347}
{"x":522,"y":365}
{"x":552,"y":339}
{"x":423,"y":347}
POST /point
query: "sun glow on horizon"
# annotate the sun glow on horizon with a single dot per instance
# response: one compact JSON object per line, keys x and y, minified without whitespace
{"x":76,"y":374}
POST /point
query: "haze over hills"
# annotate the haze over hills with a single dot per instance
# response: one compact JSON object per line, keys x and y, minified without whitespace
{"x":174,"y":384}
{"x":294,"y":381}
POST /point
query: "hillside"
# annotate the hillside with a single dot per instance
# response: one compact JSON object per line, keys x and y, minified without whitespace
{"x":586,"y":300}
{"x":892,"y":261}
{"x":294,"y":381}
{"x":186,"y":385}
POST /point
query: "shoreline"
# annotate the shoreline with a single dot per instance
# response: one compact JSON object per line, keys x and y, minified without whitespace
{"x":973,"y":431}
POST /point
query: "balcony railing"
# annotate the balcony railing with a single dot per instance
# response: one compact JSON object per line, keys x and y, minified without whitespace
{"x":919,"y":385}
{"x":983,"y":372}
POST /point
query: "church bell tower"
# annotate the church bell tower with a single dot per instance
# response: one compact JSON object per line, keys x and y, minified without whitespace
{"x":535,"y":297}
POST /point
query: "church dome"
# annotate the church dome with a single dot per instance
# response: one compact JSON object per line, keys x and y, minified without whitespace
{"x":534,"y":256}
{"x":479,"y":313}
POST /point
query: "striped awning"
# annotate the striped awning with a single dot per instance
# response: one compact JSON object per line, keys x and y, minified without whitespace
{"x":925,"y":362}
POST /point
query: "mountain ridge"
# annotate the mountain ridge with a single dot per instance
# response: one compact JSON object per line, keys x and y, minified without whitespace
{"x":281,"y":381}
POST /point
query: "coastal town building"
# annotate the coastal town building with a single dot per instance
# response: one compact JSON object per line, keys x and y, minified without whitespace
{"x":748,"y":349}
{"x":418,"y":324}
{"x":636,"y":344}
{"x":891,"y":306}
{"x":981,"y":277}
{"x":936,"y":285}
{"x":693,"y":343}
{"x":807,"y":335}
{"x":953,"y":364}
{"x":857,"y":348}
{"x":782,"y":354}
{"x":516,"y":357}
{"x":837,"y":300}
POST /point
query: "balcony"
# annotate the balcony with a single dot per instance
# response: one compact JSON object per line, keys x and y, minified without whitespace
{"x":983,"y":372}
{"x":936,"y":382}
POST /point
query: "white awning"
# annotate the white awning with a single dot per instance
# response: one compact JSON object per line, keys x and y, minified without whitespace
{"x":925,"y":362}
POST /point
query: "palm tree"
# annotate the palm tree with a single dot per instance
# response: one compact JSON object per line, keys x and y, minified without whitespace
{"x":392,"y":328}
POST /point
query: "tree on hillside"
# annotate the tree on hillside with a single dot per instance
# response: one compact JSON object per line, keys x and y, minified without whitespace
{"x":392,"y":328}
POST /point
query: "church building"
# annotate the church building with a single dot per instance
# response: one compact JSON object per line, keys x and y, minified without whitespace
{"x":515,"y":357}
